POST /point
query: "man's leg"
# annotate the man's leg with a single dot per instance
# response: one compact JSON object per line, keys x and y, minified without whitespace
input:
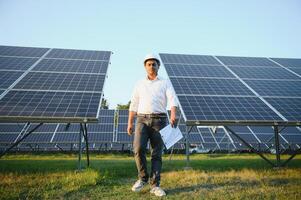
{"x":140,"y":144}
{"x":156,"y":151}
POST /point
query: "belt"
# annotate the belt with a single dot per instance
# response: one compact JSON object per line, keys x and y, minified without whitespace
{"x":154,"y":115}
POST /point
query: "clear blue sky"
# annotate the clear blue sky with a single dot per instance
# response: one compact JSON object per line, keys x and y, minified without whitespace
{"x":133,"y":28}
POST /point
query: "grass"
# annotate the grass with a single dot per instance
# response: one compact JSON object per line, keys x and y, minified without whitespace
{"x":110,"y":176}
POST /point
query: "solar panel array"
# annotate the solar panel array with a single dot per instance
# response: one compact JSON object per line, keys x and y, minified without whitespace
{"x":233,"y":90}
{"x":51,"y":85}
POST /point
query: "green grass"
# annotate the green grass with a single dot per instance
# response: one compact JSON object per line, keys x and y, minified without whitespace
{"x":110,"y":176}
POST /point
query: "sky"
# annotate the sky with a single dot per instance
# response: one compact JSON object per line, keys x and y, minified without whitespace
{"x":133,"y":28}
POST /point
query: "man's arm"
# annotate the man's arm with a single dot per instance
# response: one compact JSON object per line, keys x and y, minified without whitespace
{"x":130,"y":128}
{"x":173,"y":115}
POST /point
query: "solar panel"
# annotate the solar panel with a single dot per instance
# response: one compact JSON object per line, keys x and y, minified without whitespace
{"x":79,"y":54}
{"x":243,"y":89}
{"x":8,"y":138}
{"x":217,"y":108}
{"x":263,"y":73}
{"x":245,"y":61}
{"x":56,"y":85}
{"x":61,"y":82}
{"x":284,"y":88}
{"x":290,"y":108}
{"x":296,"y":70}
{"x":8,"y":77}
{"x":22,"y":51}
{"x":80,"y":66}
{"x":188,"y":59}
{"x":208,"y":86}
{"x":65,"y":138}
{"x":121,"y":129}
{"x":288,"y":62}
{"x":16,"y":63}
{"x":188,"y":70}
{"x":50,"y":105}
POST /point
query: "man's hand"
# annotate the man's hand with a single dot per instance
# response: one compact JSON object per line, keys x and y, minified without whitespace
{"x":130,"y":129}
{"x":172,"y":119}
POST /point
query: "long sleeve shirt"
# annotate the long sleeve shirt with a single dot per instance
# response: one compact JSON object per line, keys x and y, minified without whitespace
{"x":152,"y":96}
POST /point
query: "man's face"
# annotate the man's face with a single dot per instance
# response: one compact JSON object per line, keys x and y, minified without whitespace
{"x":151,"y":67}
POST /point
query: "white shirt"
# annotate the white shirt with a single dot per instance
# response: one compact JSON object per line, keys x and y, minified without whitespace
{"x":152,"y":96}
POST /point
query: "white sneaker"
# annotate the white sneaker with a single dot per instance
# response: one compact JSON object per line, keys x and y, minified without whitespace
{"x":159,"y":192}
{"x":138,"y":186}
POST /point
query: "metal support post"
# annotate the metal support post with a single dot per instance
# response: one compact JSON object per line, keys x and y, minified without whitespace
{"x":80,"y":148}
{"x":277,"y":146}
{"x":87,"y":143}
{"x":187,"y":146}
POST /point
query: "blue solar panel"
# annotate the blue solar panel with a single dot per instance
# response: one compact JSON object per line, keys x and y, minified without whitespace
{"x":198,"y":86}
{"x":245,"y":61}
{"x":65,"y":138}
{"x":211,"y":95}
{"x":289,"y":107}
{"x":68,"y":128}
{"x":45,"y":128}
{"x":7,"y":138}
{"x":197,"y":70}
{"x":105,"y":120}
{"x":276,"y":87}
{"x":11,"y":128}
{"x":215,"y":108}
{"x":123,"y":113}
{"x":296,"y":70}
{"x":22,"y":51}
{"x":1,"y":91}
{"x":195,"y":138}
{"x":8,"y":77}
{"x":49,"y":104}
{"x":101,"y":128}
{"x":61,"y":81}
{"x":79,"y":54}
{"x":38,"y":138}
{"x":188,"y":59}
{"x":263,"y":73}
{"x":107,"y":113}
{"x":79,"y":66}
{"x":288,"y":62}
{"x":100,"y":137}
{"x":15,"y":63}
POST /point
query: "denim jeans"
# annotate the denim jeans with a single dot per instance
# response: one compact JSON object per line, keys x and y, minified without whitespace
{"x":148,"y":129}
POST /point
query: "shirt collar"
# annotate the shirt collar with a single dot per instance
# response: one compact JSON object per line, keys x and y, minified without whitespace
{"x":157,"y":78}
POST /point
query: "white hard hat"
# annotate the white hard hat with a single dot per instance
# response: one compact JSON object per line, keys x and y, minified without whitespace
{"x":151,"y":56}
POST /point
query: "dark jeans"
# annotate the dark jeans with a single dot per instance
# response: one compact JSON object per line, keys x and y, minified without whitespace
{"x":148,"y":129}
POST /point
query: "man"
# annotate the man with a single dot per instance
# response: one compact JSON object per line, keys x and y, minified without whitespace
{"x":148,"y":102}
